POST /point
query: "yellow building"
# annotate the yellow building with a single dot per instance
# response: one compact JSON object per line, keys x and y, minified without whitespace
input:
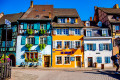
{"x":67,"y":37}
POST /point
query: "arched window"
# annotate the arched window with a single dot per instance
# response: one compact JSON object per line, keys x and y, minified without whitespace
{"x":100,"y":24}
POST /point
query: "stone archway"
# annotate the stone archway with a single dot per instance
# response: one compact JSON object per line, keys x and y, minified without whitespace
{"x":13,"y":60}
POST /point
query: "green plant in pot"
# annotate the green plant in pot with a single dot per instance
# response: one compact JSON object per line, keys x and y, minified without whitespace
{"x":43,"y":46}
{"x":29,"y":46}
{"x":26,"y":60}
{"x":41,"y":31}
{"x":40,"y":46}
{"x":30,"y":31}
{"x":103,"y":34}
{"x":30,"y":60}
{"x":44,"y":31}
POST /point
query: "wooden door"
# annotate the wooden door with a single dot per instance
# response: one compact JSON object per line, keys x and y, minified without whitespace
{"x":78,"y":61}
{"x":89,"y":61}
{"x":46,"y":61}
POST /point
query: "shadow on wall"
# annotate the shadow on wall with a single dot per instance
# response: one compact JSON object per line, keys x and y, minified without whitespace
{"x":108,"y":73}
{"x":23,"y":48}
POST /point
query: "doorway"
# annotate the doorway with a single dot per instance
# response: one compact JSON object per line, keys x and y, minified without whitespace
{"x":46,"y":61}
{"x":89,"y":61}
{"x":78,"y":61}
{"x":12,"y":60}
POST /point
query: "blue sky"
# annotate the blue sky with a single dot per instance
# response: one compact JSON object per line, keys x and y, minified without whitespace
{"x":85,"y":8}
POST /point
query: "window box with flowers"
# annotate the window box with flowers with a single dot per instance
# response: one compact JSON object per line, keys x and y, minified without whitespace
{"x":42,"y":32}
{"x":29,"y":46}
{"x":42,"y":46}
{"x":29,"y":31}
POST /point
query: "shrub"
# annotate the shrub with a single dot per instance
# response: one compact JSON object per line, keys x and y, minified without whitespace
{"x":29,"y":31}
{"x":29,"y":46}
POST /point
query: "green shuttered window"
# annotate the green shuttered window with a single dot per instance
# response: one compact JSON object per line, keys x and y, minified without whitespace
{"x":23,"y":40}
{"x":49,"y":40}
{"x":48,"y":26}
{"x":36,"y":40}
{"x":25,"y":26}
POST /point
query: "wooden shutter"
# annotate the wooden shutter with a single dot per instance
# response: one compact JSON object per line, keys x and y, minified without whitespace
{"x":114,"y":28}
{"x":70,"y":31}
{"x":73,"y":44}
{"x":69,"y":20}
{"x":11,"y":43}
{"x":94,"y":47}
{"x":54,"y":44}
{"x":54,"y":32}
{"x":81,"y":31}
{"x":38,"y":26}
{"x":65,"y":20}
{"x":36,"y":40}
{"x":101,"y":47}
{"x":48,"y":26}
{"x":35,"y":26}
{"x":59,"y":20}
{"x":25,"y":26}
{"x":85,"y":47}
{"x":49,"y":40}
{"x":110,"y":47}
{"x":23,"y":40}
{"x":106,"y":59}
{"x":3,"y":43}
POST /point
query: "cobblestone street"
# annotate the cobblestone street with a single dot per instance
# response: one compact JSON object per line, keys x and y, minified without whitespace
{"x":38,"y":74}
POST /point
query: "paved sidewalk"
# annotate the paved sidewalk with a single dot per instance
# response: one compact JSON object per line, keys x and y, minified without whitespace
{"x":62,"y":74}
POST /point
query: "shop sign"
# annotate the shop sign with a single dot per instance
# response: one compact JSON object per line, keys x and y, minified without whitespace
{"x":72,"y":59}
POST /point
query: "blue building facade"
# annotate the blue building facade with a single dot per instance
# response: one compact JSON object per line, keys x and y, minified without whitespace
{"x":34,"y":37}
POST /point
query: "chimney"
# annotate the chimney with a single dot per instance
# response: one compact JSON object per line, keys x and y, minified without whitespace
{"x":49,"y":14}
{"x":90,"y":18}
{"x":31,"y":4}
{"x":1,"y":15}
{"x":116,"y":6}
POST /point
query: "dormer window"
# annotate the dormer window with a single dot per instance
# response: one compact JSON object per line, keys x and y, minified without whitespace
{"x":72,"y":20}
{"x":117,"y":18}
{"x":100,"y":24}
{"x":87,"y":23}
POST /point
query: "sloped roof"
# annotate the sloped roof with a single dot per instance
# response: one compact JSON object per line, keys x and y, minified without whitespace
{"x":60,"y":12}
{"x":10,"y":17}
{"x":38,"y":12}
{"x":110,"y":10}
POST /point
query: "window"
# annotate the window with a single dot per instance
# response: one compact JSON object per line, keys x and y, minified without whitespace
{"x":67,"y":44}
{"x":87,"y":23}
{"x":72,"y":20}
{"x":43,"y":26}
{"x":65,"y":31}
{"x":31,"y":55}
{"x":104,"y":32}
{"x":67,"y":60}
{"x":62,"y":20}
{"x":59,"y":60}
{"x":105,"y":46}
{"x":99,"y":59}
{"x":77,"y":31}
{"x":30,"y":40}
{"x":117,"y":28}
{"x":89,"y":46}
{"x":100,"y":24}
{"x":9,"y":35}
{"x":59,"y":44}
{"x":77,"y":44}
{"x":30,"y":26}
{"x":59,"y":31}
{"x":107,"y":59}
{"x":43,"y":40}
{"x":89,"y":33}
